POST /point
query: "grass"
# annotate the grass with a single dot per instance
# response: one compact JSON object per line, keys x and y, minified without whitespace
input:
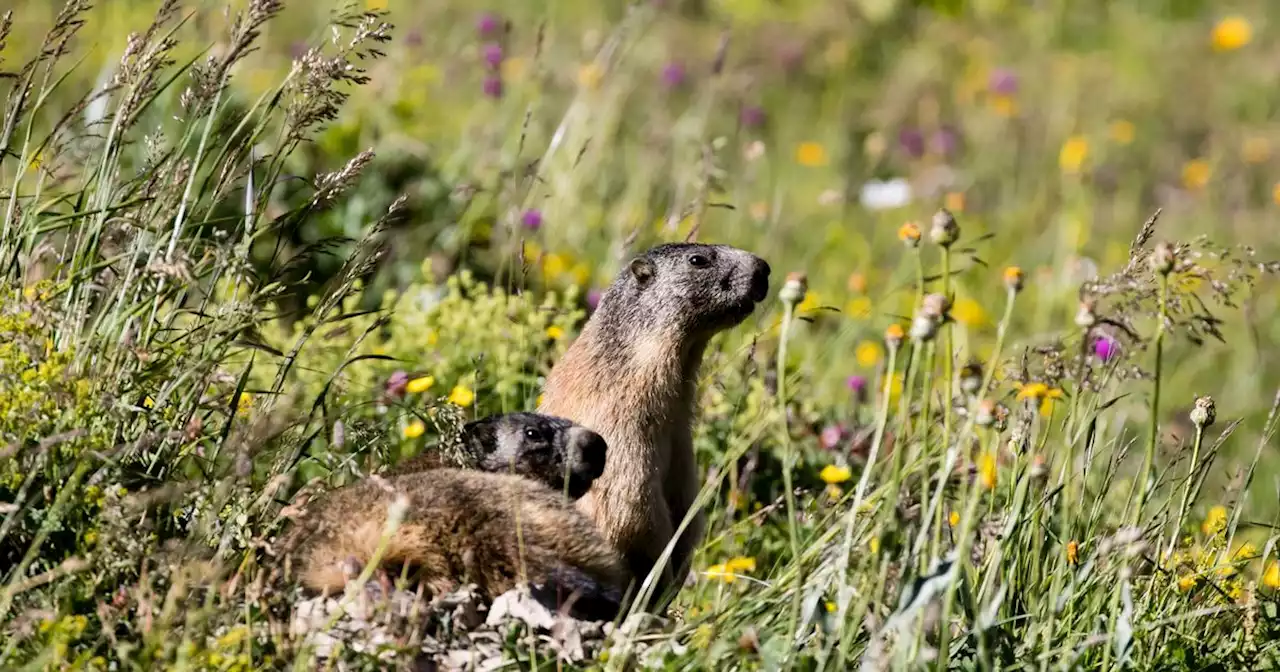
{"x":277,"y":248}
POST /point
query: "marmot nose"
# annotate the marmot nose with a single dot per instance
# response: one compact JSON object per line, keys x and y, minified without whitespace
{"x":589,"y":449}
{"x":760,"y":280}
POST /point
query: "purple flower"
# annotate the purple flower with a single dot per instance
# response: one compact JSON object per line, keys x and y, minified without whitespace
{"x":531,"y":219}
{"x":858,"y":386}
{"x":831,"y":436}
{"x":493,"y":86}
{"x":396,"y":383}
{"x":673,"y":75}
{"x":1003,"y":81}
{"x":1106,"y":347}
{"x":593,"y":298}
{"x":492,"y":55}
{"x":752,"y":116}
{"x":488,"y":24}
{"x":944,"y":141}
{"x":912,"y":142}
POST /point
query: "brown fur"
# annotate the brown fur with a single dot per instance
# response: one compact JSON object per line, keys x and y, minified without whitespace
{"x":460,"y":526}
{"x":632,"y":376}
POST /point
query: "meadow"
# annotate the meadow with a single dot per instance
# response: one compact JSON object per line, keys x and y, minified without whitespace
{"x":1011,"y":403}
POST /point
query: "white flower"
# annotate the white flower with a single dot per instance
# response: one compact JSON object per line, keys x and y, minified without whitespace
{"x":877,"y":195}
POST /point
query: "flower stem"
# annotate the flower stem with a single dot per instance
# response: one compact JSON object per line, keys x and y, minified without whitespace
{"x":789,"y":456}
{"x":1148,"y":461}
{"x":1186,"y":491}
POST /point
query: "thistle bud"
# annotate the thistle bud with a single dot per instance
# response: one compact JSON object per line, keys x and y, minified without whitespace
{"x":1162,"y":259}
{"x":794,"y":289}
{"x":935,"y":306}
{"x":945,"y":231}
{"x":1204,"y":413}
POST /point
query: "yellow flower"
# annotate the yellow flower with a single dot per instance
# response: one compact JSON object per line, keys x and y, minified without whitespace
{"x":894,"y":332}
{"x":1247,"y":551}
{"x":461,"y":396}
{"x":1073,"y":154}
{"x":987,"y":473}
{"x":589,"y":76}
{"x":833,"y":474}
{"x":1073,"y":552}
{"x":741,"y":564}
{"x":420,"y":385}
{"x":581,"y":273}
{"x":1187,"y":582}
{"x":954,"y":518}
{"x":1271,"y":577}
{"x":1004,"y":106}
{"x":834,"y":492}
{"x":810,"y":303}
{"x":1275,"y":193}
{"x":553,"y":265}
{"x":244,"y":404}
{"x":375,"y":4}
{"x":759,"y":211}
{"x":867,"y":353}
{"x":555,"y":333}
{"x":857,"y":283}
{"x":1047,"y":404}
{"x":829,"y":606}
{"x":1226,"y":571}
{"x":148,"y":402}
{"x":874,"y":544}
{"x":1195,"y":174}
{"x":954,"y":201}
{"x":895,"y":387}
{"x":1013,"y":277}
{"x":859,"y":307}
{"x":513,"y":68}
{"x":909,"y":233}
{"x":1122,"y":131}
{"x":968,"y":312}
{"x":1231,"y":33}
{"x":728,"y":571}
{"x":811,"y":154}
{"x":1214,"y":521}
{"x":414,"y":429}
{"x":538,"y":402}
{"x":1256,"y":149}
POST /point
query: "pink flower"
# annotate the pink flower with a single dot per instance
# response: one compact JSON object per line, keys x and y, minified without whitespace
{"x":396,"y":383}
{"x":831,"y":437}
{"x":1106,"y":347}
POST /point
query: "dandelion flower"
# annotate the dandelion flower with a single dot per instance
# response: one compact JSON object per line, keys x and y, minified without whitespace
{"x":414,"y":429}
{"x":867,"y":353}
{"x":148,"y":402}
{"x":1271,"y":577}
{"x":1122,"y":131}
{"x":811,"y":154}
{"x":1073,"y":552}
{"x":555,"y":333}
{"x":874,"y":544}
{"x":954,"y":518}
{"x":909,"y":234}
{"x":832,"y":474}
{"x":1195,"y":174}
{"x":987,"y":473}
{"x":419,"y":385}
{"x":1187,"y":582}
{"x":741,"y":564}
{"x":1231,"y":33}
{"x":461,"y":396}
{"x":1214,"y":521}
{"x":1073,"y":154}
{"x":244,"y":404}
{"x":968,"y":312}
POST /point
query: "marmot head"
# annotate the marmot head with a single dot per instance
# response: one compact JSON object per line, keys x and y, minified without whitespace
{"x":694,"y":288}
{"x":545,"y":448}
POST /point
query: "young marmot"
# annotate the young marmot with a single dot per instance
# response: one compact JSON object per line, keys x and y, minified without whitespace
{"x":469,"y":526}
{"x":565,"y":456}
{"x":632,"y":376}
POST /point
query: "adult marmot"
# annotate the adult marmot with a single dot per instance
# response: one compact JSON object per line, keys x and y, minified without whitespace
{"x":465,"y":526}
{"x":632,"y":376}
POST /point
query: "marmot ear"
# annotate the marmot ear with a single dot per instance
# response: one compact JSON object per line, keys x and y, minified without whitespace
{"x":642,"y":270}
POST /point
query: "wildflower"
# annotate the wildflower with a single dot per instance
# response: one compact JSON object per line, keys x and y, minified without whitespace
{"x":753,"y":151}
{"x":673,"y":75}
{"x":987,"y":473}
{"x":832,"y":474}
{"x":1256,"y":149}
{"x":531,"y":219}
{"x":944,"y":230}
{"x":1105,"y":347}
{"x":1231,"y":33}
{"x":1073,"y":154}
{"x":867,"y":353}
{"x":244,"y":404}
{"x":858,"y":386}
{"x":831,"y":436}
{"x":593,"y":298}
{"x":414,"y":429}
{"x":1247,"y":551}
{"x":954,"y":518}
{"x":811,"y":154}
{"x":1003,"y":81}
{"x":793,"y":291}
{"x":874,"y":544}
{"x":1013,"y":278}
{"x":420,"y":384}
{"x":493,"y":86}
{"x":728,"y":571}
{"x":1004,"y":106}
{"x":1271,"y":577}
{"x":893,"y":336}
{"x":969,"y":313}
{"x":752,"y":116}
{"x":1275,"y":193}
{"x":1214,"y":521}
{"x":555,"y":333}
{"x":859,"y":307}
{"x":1195,"y":174}
{"x":1204,"y":412}
{"x":1162,"y":259}
{"x":1187,"y":582}
{"x":488,"y":24}
{"x":857,"y":282}
{"x":148,"y":402}
{"x":883,"y":195}
{"x":462,"y":396}
{"x":954,"y":201}
{"x":810,"y":303}
{"x":1073,"y":552}
{"x":912,"y":142}
{"x":986,"y":413}
{"x":909,"y":234}
{"x":943,"y":141}
{"x":492,"y":54}
{"x":829,"y":606}
{"x":1122,"y":131}
{"x":589,"y":76}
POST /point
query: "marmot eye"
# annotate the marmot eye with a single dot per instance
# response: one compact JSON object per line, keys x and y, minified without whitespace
{"x":532,"y":434}
{"x":698,"y":261}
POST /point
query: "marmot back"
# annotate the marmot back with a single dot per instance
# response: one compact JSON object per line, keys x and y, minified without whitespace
{"x":632,"y":376}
